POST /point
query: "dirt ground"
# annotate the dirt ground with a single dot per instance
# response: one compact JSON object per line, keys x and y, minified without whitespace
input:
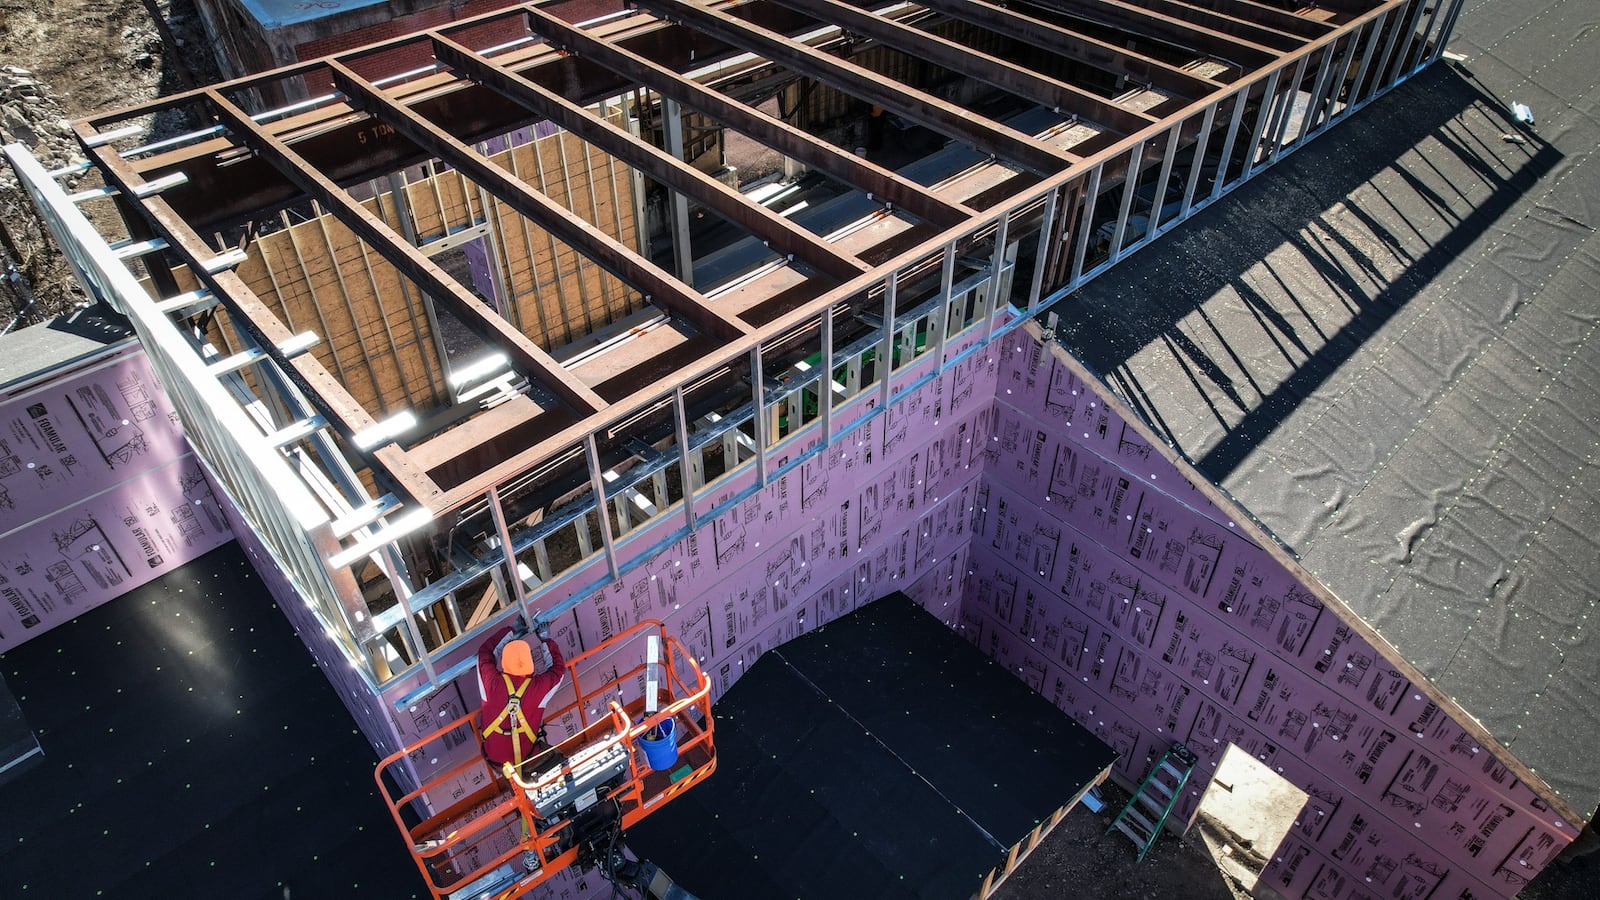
{"x":68,"y":58}
{"x":1079,"y":861}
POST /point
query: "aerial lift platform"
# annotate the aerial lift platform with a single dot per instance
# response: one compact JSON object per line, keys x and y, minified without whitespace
{"x":515,"y":831}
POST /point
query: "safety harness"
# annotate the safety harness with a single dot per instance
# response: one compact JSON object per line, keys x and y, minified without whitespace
{"x":512,"y":722}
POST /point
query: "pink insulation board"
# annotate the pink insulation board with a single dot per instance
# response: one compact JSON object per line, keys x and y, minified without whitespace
{"x":1104,"y":578}
{"x":99,"y":493}
{"x":886,"y":507}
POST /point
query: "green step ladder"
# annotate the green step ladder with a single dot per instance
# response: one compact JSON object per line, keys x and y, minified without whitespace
{"x":1147,"y":811}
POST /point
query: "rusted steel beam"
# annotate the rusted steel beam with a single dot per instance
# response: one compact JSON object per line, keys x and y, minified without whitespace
{"x":918,"y":106}
{"x":782,"y":235}
{"x":246,"y":311}
{"x":1048,"y":92}
{"x":773,"y":132}
{"x":1141,"y":22}
{"x":1227,"y":21}
{"x":1090,"y":51}
{"x":594,"y":244}
{"x":1267,"y":16}
{"x":489,"y":327}
{"x":349,"y":149}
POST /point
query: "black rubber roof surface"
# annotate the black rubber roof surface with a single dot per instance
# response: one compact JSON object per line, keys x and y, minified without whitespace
{"x":1385,"y":348}
{"x":879,"y":756}
{"x":192,"y":749}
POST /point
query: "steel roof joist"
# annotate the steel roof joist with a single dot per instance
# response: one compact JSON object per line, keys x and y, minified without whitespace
{"x":1137,"y":20}
{"x":254,"y":319}
{"x":411,"y":262}
{"x":781,"y":235}
{"x":1236,"y":24}
{"x":1063,"y":42}
{"x":918,"y":106}
{"x":597,"y":246}
{"x":769,"y":130}
{"x":704,"y":56}
{"x":1279,"y":20}
{"x":987,"y":68}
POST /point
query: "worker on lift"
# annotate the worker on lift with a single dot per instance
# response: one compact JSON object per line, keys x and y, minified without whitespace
{"x":517,"y":678}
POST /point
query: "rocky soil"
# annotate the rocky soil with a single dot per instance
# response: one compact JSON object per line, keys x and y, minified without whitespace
{"x":61,"y":59}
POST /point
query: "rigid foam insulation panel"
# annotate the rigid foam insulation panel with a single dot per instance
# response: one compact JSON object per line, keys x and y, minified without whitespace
{"x":885,"y":507}
{"x":1214,"y":642}
{"x":1106,"y":579}
{"x":99,"y":493}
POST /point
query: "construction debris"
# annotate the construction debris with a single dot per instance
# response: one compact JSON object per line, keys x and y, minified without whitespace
{"x":31,"y":115}
{"x":63,"y":59}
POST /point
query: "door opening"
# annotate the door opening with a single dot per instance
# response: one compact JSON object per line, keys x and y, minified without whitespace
{"x":1245,"y":813}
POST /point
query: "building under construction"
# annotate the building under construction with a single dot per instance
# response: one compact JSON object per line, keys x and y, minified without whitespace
{"x":719,"y":321}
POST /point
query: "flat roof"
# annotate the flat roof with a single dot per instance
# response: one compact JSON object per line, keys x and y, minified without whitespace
{"x":235,"y":770}
{"x":282,"y":13}
{"x":1386,"y":351}
{"x":840,"y":742}
{"x":26,"y":354}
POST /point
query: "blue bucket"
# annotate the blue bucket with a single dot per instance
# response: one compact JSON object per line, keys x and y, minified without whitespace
{"x":661,"y":752}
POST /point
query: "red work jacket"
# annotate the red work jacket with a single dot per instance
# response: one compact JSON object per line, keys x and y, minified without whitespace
{"x":513,"y":706}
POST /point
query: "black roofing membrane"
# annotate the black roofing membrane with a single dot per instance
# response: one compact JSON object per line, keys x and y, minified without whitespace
{"x":1385,"y":348}
{"x":878,"y":756}
{"x":192,"y":749}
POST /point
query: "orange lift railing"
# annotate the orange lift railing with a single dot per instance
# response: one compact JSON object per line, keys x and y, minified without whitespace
{"x":499,"y":836}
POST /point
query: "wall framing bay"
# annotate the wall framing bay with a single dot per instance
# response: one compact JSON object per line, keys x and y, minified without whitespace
{"x":377,"y":335}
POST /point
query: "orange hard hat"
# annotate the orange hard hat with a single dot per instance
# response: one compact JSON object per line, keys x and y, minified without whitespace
{"x":517,"y":658}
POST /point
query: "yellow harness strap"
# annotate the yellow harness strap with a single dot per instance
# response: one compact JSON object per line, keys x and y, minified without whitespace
{"x":518,"y":723}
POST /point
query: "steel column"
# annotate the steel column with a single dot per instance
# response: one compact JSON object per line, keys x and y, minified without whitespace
{"x":597,"y":483}
{"x":686,"y":479}
{"x":682,"y":252}
{"x":1041,"y":252}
